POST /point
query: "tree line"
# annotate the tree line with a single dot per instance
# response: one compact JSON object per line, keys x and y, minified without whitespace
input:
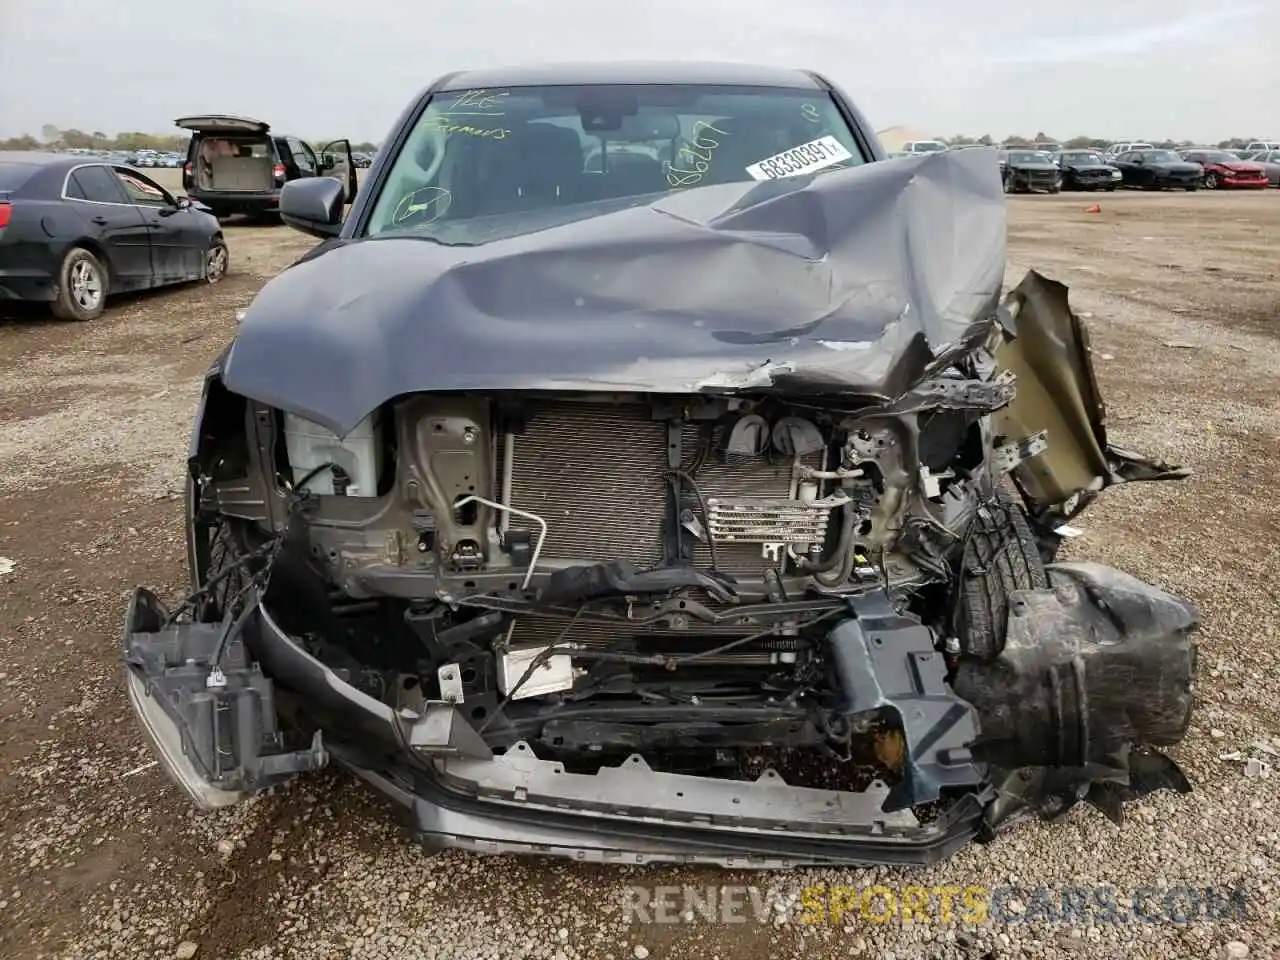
{"x":54,"y":138}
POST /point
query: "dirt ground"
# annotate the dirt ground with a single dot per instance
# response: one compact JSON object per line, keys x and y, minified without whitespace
{"x":101,"y":857}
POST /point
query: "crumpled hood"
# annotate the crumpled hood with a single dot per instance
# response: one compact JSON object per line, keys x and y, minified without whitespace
{"x":852,"y":282}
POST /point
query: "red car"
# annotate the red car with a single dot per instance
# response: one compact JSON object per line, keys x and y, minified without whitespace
{"x":1223,"y":169}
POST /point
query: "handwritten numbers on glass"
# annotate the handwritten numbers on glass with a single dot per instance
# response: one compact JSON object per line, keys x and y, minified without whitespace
{"x":694,"y":159}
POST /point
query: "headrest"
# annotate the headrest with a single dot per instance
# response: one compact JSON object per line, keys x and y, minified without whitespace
{"x":547,"y":138}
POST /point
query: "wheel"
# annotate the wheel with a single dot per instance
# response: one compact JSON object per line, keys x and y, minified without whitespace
{"x":1001,"y":555}
{"x":215,"y":261}
{"x":82,"y":286}
{"x":1212,"y":181}
{"x":1110,"y":188}
{"x":1008,"y":184}
{"x":1193,"y":188}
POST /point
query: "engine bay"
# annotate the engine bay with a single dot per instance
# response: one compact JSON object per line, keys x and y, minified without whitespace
{"x":597,"y":575}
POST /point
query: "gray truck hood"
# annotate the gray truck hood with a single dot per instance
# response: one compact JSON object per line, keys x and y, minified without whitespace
{"x":851,"y":282}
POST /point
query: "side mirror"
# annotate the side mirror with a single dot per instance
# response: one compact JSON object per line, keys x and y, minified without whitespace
{"x":183,"y":202}
{"x":313,"y":205}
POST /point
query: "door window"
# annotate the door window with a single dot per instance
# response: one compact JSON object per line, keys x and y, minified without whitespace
{"x":96,"y":184}
{"x":141,"y":191}
{"x":303,"y":157}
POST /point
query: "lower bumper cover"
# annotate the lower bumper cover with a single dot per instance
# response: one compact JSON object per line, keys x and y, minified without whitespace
{"x":224,"y":204}
{"x":455,"y":793}
{"x":37,"y":286}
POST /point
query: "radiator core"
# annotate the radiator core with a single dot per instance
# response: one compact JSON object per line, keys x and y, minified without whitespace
{"x":595,"y":473}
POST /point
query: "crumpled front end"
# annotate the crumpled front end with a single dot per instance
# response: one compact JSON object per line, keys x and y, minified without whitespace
{"x":761,"y":620}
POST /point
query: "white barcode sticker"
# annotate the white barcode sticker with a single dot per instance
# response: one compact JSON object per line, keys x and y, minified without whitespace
{"x":807,"y":158}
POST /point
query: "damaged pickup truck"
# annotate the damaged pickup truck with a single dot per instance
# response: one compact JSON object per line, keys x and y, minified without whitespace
{"x":643,"y":471}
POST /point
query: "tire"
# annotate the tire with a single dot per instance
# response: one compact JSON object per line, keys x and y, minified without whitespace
{"x":216,"y":259}
{"x":1193,"y":188}
{"x":83,"y":283}
{"x":211,"y":548}
{"x":1008,"y":185}
{"x":1110,"y":189}
{"x":1212,"y":181}
{"x":1001,"y":555}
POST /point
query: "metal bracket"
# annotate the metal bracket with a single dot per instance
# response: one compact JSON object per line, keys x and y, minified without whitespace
{"x":1007,"y":456}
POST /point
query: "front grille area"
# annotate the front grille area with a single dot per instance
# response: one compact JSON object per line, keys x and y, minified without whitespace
{"x":595,"y":473}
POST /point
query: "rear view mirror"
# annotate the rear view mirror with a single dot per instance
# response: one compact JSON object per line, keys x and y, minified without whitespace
{"x":313,"y":205}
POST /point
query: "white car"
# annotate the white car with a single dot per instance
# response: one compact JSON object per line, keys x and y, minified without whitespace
{"x":923,"y":146}
{"x":1118,"y":148}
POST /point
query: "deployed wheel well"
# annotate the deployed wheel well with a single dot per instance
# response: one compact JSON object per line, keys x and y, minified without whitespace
{"x":220,"y":446}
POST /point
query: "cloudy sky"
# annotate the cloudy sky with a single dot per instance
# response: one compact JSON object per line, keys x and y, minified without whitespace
{"x":328,"y":68}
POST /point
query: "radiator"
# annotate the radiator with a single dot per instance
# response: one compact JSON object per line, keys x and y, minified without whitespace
{"x":595,"y":473}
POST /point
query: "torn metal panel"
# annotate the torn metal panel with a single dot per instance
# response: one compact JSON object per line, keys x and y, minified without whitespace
{"x":853,"y":283}
{"x":1046,"y":347}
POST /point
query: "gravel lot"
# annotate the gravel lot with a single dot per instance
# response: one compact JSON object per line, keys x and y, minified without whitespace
{"x":100,"y":857}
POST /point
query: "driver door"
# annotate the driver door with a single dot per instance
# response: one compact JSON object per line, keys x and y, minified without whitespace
{"x":336,"y":162}
{"x":178,"y":241}
{"x":1142,"y":174}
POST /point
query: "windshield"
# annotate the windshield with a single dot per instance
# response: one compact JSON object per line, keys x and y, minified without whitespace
{"x":1162,"y":156}
{"x":481,"y":165}
{"x":1030,"y":156}
{"x":1217,"y":156}
{"x":1084,"y":159}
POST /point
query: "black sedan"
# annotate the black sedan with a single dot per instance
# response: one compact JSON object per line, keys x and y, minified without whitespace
{"x":1087,"y":170}
{"x":1030,"y":171}
{"x":73,"y":231}
{"x":1154,"y":169}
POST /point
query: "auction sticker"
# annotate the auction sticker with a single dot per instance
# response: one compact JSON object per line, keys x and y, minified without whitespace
{"x":796,"y":162}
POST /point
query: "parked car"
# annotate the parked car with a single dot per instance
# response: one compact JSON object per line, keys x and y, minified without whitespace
{"x":615,"y":600}
{"x":1087,"y":170}
{"x":1154,"y":169}
{"x":1270,"y":160}
{"x":362,"y":160}
{"x":1126,"y":147}
{"x":1223,"y":169}
{"x":1254,"y":146}
{"x":237,"y":165}
{"x":923,"y":146}
{"x":1029,"y":171}
{"x":74,"y":230}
